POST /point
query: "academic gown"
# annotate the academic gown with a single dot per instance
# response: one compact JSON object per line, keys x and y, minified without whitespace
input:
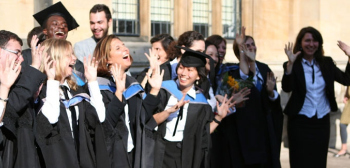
{"x":167,"y":75}
{"x":251,"y":135}
{"x":17,"y":130}
{"x":140,"y":112}
{"x":58,"y":146}
{"x":28,"y":153}
{"x":196,"y":139}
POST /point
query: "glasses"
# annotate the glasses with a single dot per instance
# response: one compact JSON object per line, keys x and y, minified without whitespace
{"x":18,"y":53}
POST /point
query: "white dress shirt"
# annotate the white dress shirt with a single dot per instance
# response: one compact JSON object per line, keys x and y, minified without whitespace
{"x":171,"y":120}
{"x":2,"y":108}
{"x":316,"y":102}
{"x":51,"y":107}
{"x":127,"y":123}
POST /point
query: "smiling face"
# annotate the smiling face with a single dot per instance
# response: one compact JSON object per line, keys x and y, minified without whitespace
{"x":67,"y":63}
{"x":187,"y":77}
{"x":222,"y":49}
{"x":213,"y":53}
{"x":309,"y":45}
{"x":56,"y":27}
{"x":12,"y":45}
{"x":99,"y":24}
{"x":157,"y":48}
{"x":119,"y":54}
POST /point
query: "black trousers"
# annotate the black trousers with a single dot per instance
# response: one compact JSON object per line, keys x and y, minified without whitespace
{"x":172,"y":155}
{"x":308,"y":141}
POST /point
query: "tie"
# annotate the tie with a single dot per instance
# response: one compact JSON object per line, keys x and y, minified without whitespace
{"x":313,"y":73}
{"x":178,"y":117}
{"x":73,"y":115}
{"x":259,"y":81}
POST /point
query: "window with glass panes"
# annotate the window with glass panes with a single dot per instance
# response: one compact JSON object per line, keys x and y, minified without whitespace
{"x":126,"y":17}
{"x":202,"y":16}
{"x":162,"y":12}
{"x":231,"y":18}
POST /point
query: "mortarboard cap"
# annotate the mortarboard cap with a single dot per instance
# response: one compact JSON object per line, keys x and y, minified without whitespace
{"x":53,"y":10}
{"x":193,"y":58}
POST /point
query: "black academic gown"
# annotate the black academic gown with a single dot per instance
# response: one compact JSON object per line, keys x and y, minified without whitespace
{"x":251,"y":135}
{"x":167,"y":75}
{"x":58,"y":146}
{"x":116,"y":131}
{"x":196,"y":139}
{"x":17,"y":129}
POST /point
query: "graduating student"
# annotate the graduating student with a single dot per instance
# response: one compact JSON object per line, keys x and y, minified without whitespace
{"x":160,"y":49}
{"x":127,"y":108}
{"x":19,"y":98}
{"x":9,"y":72}
{"x":185,"y":119}
{"x":251,"y":137}
{"x":55,"y":22}
{"x":189,"y":39}
{"x":68,"y":129}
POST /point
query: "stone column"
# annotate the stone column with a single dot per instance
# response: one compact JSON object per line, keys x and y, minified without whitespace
{"x":182,"y":17}
{"x":216,"y":17}
{"x":145,"y":19}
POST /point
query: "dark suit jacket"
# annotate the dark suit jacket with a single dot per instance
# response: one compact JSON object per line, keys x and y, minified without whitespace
{"x":295,"y":83}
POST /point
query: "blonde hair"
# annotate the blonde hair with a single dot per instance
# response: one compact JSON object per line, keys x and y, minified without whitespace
{"x":57,"y":49}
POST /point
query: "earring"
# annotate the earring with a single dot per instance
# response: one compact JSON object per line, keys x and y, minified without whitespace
{"x":196,"y":82}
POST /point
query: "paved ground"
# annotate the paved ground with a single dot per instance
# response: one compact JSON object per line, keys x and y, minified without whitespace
{"x":332,"y":162}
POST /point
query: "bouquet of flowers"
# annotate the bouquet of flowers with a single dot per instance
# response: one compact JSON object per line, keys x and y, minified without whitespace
{"x":229,"y":85}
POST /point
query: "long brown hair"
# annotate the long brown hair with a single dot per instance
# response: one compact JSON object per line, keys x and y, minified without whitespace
{"x":102,"y":55}
{"x":319,"y":54}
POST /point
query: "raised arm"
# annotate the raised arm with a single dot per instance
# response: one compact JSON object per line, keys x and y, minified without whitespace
{"x":90,"y":67}
{"x":288,"y":49}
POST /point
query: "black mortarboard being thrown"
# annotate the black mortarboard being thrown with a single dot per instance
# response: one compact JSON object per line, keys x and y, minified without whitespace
{"x":53,"y":10}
